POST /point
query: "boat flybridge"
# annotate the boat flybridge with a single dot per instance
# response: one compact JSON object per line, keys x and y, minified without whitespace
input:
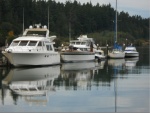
{"x":34,"y":47}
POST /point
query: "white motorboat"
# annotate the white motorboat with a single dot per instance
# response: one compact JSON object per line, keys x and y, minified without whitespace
{"x":83,"y":49}
{"x":79,"y":50}
{"x":34,"y":48}
{"x":131,"y":51}
{"x":32,"y":81}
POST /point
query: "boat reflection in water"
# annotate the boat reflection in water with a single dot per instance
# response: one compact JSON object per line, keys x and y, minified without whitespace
{"x":79,"y":74}
{"x":131,"y":62}
{"x":116,"y":62}
{"x":32,"y":83}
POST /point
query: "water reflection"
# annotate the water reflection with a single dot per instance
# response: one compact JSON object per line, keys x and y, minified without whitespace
{"x":131,"y":62}
{"x":125,"y":66}
{"x":78,"y":74}
{"x":108,"y":86}
{"x":31,"y":83}
{"x":116,"y":62}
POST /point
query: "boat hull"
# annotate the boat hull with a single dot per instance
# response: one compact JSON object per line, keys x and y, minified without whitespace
{"x":32,"y":59}
{"x":132,"y":54}
{"x":77,"y":56}
{"x":116,"y":55}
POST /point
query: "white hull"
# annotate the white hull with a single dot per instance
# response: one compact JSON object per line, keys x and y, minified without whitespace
{"x":77,"y":56}
{"x":116,"y":55}
{"x":131,"y":54}
{"x":24,"y":59}
{"x":100,"y":56}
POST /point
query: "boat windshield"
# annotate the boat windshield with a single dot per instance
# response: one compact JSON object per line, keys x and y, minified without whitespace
{"x":83,"y":49}
{"x":72,"y":43}
{"x":77,"y":43}
{"x":36,"y":33}
{"x":32,"y":43}
{"x":14,"y":43}
{"x":83,"y":43}
{"x":23,"y":43}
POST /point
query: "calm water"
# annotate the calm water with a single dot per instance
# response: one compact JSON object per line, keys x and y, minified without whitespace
{"x":109,"y":86}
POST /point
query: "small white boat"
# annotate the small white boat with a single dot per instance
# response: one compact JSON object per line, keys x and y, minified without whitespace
{"x":131,"y":51}
{"x":34,"y":48}
{"x":83,"y":49}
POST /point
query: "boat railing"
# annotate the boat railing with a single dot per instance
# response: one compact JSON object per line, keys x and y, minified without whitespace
{"x":25,"y":49}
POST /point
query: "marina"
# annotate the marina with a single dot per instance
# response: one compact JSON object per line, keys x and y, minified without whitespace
{"x":98,"y":62}
{"x":113,"y":85}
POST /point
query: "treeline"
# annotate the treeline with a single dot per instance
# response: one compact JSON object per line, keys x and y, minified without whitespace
{"x":68,"y":17}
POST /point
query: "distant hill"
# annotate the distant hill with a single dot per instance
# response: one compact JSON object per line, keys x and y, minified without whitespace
{"x":83,"y":19}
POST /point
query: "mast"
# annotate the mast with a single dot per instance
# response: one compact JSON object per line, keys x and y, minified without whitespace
{"x":69,"y":31}
{"x":48,"y":17}
{"x":116,"y":22}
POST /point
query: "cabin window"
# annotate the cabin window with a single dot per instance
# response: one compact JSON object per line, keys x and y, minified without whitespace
{"x":40,"y":44}
{"x":78,"y":43}
{"x":43,"y":43}
{"x":14,"y":43}
{"x":72,"y":43}
{"x":36,"y":33}
{"x":46,"y":41}
{"x":32,"y":43}
{"x":88,"y":44}
{"x":49,"y":47}
{"x":83,"y":43}
{"x":23,"y":43}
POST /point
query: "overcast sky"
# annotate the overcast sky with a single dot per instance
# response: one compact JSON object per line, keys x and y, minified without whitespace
{"x":133,"y":7}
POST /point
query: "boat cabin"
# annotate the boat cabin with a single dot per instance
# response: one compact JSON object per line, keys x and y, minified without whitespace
{"x":130,"y":49}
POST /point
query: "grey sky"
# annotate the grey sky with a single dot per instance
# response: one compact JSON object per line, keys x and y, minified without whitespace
{"x":133,"y":7}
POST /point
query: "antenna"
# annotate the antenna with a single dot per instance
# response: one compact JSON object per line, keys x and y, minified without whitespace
{"x":23,"y":21}
{"x":48,"y":16}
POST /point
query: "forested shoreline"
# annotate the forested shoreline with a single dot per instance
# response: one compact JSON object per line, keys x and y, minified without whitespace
{"x":96,"y":21}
